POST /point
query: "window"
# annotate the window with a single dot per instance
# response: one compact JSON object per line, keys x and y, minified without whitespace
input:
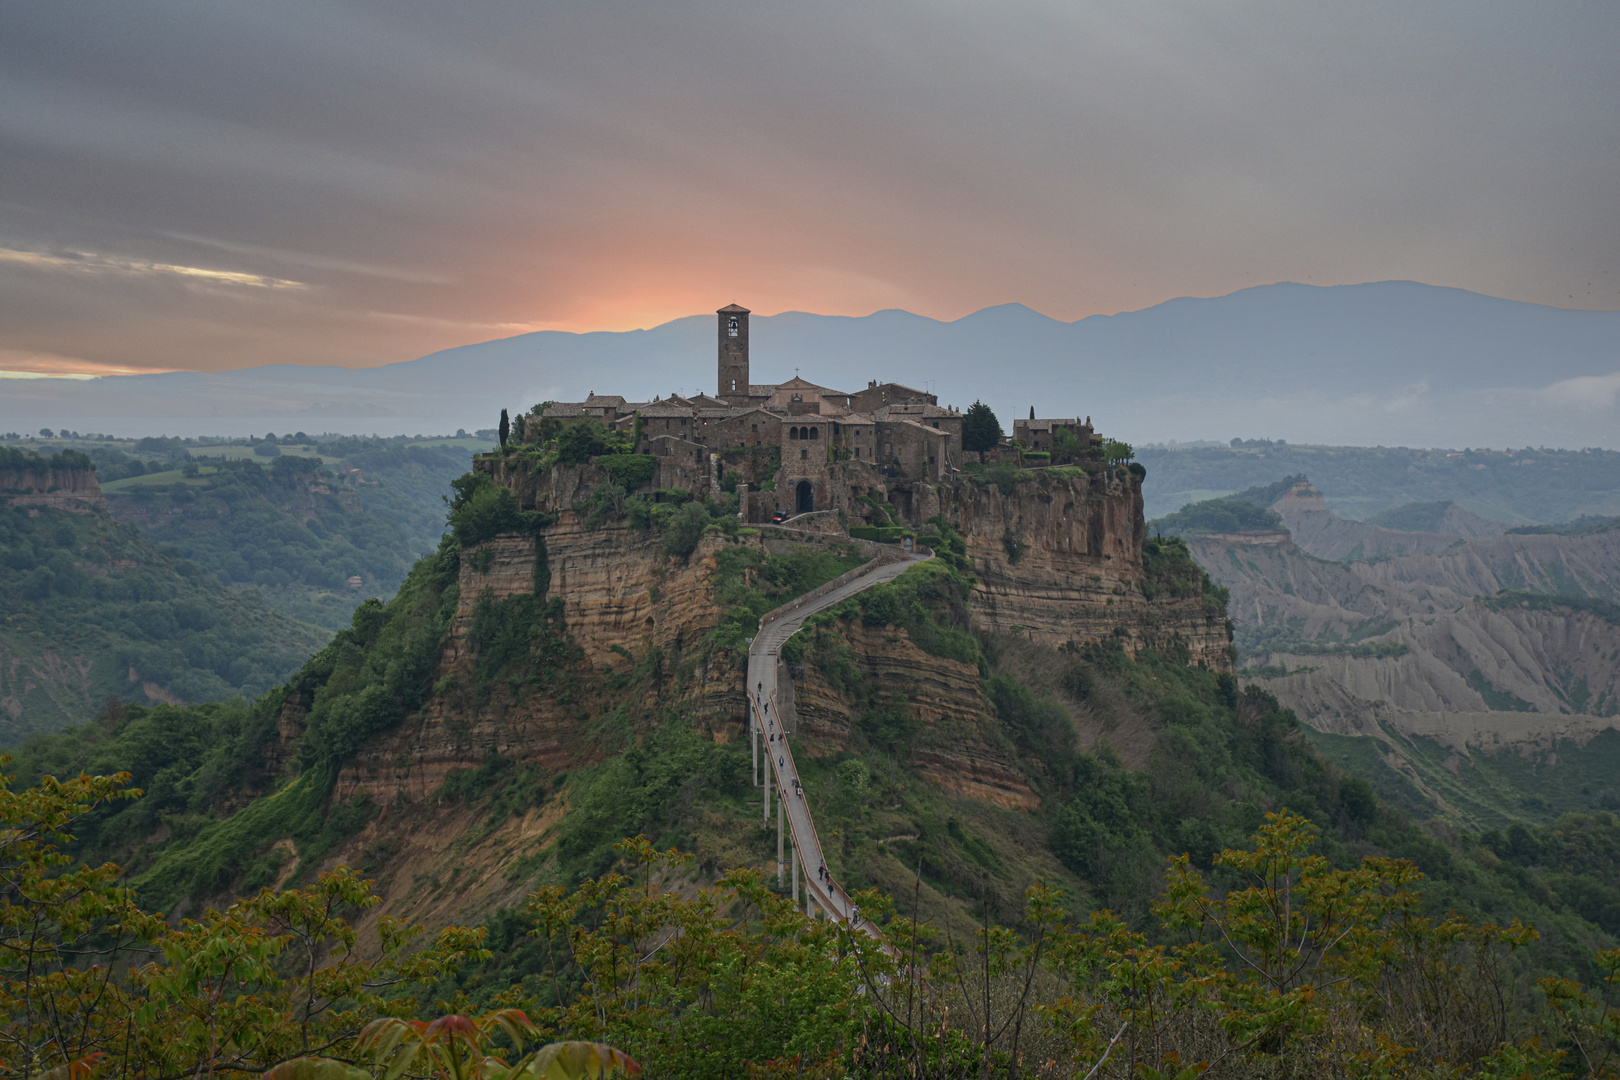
{"x":756,"y":427}
{"x":804,"y":455}
{"x":731,"y":326}
{"x":857,"y":451}
{"x":815,"y":433}
{"x":793,"y":433}
{"x":734,"y":390}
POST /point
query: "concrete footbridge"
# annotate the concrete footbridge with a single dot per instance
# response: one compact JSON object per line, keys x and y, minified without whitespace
{"x":794,"y":822}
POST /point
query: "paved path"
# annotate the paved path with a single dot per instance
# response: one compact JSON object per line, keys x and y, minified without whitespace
{"x":778,"y":626}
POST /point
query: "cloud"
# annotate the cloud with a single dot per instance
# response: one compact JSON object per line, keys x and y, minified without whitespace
{"x":27,"y":364}
{"x":86,"y":262}
{"x":1584,"y":392}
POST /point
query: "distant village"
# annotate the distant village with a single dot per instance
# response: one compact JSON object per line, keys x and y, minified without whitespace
{"x":835,"y":446}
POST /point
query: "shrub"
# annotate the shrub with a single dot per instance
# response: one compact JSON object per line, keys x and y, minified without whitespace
{"x":630,"y":471}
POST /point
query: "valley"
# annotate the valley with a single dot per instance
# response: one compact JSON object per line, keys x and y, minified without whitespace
{"x":1472,"y":673}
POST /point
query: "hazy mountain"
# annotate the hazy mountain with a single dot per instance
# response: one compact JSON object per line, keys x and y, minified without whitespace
{"x":1386,"y":363}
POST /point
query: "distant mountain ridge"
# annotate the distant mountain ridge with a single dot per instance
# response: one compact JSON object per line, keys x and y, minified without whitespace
{"x":1385,"y":362}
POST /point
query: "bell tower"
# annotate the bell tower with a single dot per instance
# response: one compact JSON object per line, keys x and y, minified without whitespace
{"x":733,"y":354}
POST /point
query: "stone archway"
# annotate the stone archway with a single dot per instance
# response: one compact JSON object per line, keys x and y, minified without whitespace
{"x":804,"y":494}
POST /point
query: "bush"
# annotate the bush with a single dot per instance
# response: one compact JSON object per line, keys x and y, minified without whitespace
{"x":685,"y":529}
{"x":883,"y":534}
{"x":630,"y":471}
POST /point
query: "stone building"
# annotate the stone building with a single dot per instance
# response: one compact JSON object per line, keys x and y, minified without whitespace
{"x":834,"y":445}
{"x":1035,"y":434}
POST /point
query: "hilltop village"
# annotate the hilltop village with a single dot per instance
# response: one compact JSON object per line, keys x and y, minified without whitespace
{"x":834,"y":446}
{"x":1051,"y":518}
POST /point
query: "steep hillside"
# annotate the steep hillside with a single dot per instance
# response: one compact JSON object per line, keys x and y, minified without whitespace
{"x":1452,"y":668}
{"x":1444,"y":517}
{"x":315,"y":527}
{"x":566,"y":671}
{"x":583,"y":653}
{"x":91,"y":611}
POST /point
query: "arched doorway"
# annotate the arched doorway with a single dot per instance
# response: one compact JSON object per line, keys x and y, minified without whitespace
{"x":805,"y":497}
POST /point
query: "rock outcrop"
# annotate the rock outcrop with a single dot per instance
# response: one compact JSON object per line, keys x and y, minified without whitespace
{"x":71,"y":488}
{"x":1059,"y":559}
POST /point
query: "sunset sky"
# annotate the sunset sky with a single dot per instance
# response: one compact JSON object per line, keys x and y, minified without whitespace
{"x":218,"y":185}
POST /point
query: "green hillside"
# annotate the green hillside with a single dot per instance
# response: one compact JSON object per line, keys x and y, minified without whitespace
{"x":301,"y":523}
{"x":89,"y":610}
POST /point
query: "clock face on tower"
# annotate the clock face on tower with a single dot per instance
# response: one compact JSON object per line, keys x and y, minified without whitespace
{"x":731,"y":327}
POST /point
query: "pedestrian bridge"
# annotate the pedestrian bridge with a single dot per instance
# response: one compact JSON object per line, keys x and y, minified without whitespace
{"x":794,"y":822}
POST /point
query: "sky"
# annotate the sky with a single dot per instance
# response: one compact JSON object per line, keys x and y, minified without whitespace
{"x":211,"y":186}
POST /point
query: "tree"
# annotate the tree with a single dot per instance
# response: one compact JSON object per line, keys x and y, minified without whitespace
{"x":980,"y":428}
{"x":505,"y":428}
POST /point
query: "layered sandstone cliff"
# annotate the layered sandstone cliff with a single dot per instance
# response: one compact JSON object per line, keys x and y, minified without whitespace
{"x":1059,"y":560}
{"x":74,"y":489}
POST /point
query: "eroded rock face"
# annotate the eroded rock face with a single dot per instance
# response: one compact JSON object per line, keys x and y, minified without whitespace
{"x":617,"y":588}
{"x":75,"y":490}
{"x":1059,"y":559}
{"x":956,"y":743}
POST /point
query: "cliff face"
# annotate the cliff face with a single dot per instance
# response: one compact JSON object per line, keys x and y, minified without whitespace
{"x":618,"y":592}
{"x":1059,"y":559}
{"x":72,"y":489}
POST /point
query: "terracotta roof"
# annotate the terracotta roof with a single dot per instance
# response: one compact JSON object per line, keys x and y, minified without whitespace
{"x":564,"y":408}
{"x":918,"y":409}
{"x":906,"y":420}
{"x":662,"y":409}
{"x":732,"y":309}
{"x":602,"y":400}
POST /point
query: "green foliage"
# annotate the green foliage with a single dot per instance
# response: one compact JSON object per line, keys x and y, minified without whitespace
{"x":81,"y":593}
{"x":1413,"y":517}
{"x":294,"y":528}
{"x":520,"y":638}
{"x":980,"y":428}
{"x":630,"y":471}
{"x":92,"y":985}
{"x":1604,"y":609}
{"x":1263,"y":495}
{"x":1170,"y":571}
{"x":580,"y":441}
{"x":748,"y":584}
{"x":685,"y":529}
{"x":1117,"y":453}
{"x":1218,"y":516}
{"x":504,"y":429}
{"x":482,"y":509}
{"x":1585,"y":525}
{"x":883,"y":534}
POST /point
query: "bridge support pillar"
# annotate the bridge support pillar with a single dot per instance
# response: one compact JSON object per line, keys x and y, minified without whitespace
{"x":781,"y":814}
{"x":795,"y":875}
